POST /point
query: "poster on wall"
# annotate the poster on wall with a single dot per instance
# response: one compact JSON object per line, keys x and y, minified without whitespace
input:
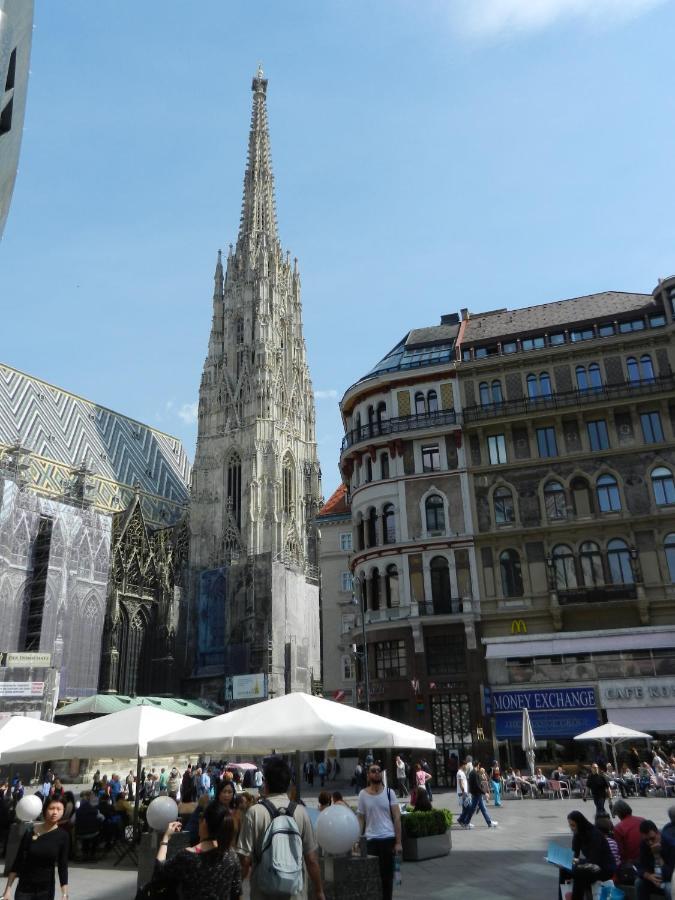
{"x":246,"y":687}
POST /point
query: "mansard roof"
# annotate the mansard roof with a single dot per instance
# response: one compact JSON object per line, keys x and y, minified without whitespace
{"x":420,"y":347}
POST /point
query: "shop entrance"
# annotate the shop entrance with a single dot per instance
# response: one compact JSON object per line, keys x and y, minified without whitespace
{"x":451,"y":723}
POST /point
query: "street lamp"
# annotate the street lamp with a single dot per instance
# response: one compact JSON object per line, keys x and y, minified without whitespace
{"x":364,"y":654}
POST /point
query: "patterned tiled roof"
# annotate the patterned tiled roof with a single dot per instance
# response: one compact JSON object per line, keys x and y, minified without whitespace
{"x":590,"y":308}
{"x":104,"y":704}
{"x":336,"y":505}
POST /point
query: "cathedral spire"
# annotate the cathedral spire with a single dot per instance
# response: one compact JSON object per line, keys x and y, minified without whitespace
{"x":258,"y":215}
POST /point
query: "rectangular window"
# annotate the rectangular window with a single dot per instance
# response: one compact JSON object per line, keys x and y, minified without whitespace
{"x":431,"y":458}
{"x":652,"y":430}
{"x":445,"y":655}
{"x":346,"y":582}
{"x":606,"y":330}
{"x":657,"y":321}
{"x":509,"y":347}
{"x":598,"y":438}
{"x":556,"y":339}
{"x":346,"y":541}
{"x":390,"y":659}
{"x":582,"y":334}
{"x":537,"y":343}
{"x":348,"y":673}
{"x":497,"y":448}
{"x":466,"y":355}
{"x":633,"y":325}
{"x":480,"y":352}
{"x":546,"y":442}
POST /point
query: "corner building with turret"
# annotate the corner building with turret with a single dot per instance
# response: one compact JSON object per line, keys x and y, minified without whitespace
{"x":256,"y":484}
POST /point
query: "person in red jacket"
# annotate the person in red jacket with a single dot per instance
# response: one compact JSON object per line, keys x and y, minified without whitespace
{"x":627,"y":832}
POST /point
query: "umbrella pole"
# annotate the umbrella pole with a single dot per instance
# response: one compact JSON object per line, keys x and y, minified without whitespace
{"x":137,"y":797}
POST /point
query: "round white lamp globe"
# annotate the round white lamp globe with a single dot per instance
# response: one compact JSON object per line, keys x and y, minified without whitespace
{"x":161,"y":811}
{"x":337,"y":829}
{"x":28,"y":808}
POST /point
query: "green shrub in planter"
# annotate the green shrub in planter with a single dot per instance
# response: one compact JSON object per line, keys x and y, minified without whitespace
{"x":426,"y":824}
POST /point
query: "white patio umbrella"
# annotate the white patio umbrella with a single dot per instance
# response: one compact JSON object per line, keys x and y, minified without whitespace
{"x":125,"y":734}
{"x":16,"y":730}
{"x":613,"y":735}
{"x":527,"y":740}
{"x":293,"y":722}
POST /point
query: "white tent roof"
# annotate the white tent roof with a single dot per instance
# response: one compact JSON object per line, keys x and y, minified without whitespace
{"x":17,"y":730}
{"x":125,"y":733}
{"x":611,"y":732}
{"x":293,"y":722}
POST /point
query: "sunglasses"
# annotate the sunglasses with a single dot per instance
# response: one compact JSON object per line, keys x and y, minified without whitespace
{"x":375,"y":771}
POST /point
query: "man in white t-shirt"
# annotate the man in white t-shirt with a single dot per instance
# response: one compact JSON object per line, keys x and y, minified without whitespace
{"x":401,"y":779}
{"x":463,"y":797}
{"x":380,"y":818}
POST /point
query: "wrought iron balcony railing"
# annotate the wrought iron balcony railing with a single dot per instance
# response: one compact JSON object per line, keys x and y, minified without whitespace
{"x":599,"y":594}
{"x":399,"y":425}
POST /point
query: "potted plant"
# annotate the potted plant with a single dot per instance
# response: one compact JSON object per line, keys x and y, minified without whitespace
{"x":426,"y":834}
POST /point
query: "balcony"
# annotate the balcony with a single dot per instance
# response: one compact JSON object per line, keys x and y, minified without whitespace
{"x":599,"y":594}
{"x":450,"y":606}
{"x":566,"y":399}
{"x":399,"y":425}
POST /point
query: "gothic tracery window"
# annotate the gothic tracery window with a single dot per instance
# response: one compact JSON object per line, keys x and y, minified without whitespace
{"x":234,"y":486}
{"x":288,"y":485}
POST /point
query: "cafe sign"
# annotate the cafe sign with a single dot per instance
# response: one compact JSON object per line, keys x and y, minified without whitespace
{"x":637,"y":692}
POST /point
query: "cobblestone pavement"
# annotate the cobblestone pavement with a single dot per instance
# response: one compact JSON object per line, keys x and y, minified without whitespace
{"x":504,"y":863}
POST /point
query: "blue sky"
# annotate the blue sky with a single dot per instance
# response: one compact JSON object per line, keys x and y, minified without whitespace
{"x":429,"y":155}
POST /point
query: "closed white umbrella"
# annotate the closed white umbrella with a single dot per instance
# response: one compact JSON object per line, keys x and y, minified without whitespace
{"x":17,"y":730}
{"x":293,"y":722}
{"x":527,"y":740}
{"x":613,"y":735}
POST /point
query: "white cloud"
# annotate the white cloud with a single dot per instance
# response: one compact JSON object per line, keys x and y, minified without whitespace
{"x":492,"y":18}
{"x":188,"y":413}
{"x":326,"y":395}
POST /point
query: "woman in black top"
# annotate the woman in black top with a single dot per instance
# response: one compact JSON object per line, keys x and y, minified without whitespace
{"x":210,"y":870}
{"x":593,"y":860}
{"x":40,"y":850}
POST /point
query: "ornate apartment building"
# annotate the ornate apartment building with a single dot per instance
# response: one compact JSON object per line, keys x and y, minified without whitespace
{"x":256,"y":484}
{"x":512,"y":486}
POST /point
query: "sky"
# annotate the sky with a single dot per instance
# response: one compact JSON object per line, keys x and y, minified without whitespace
{"x":429,"y":155}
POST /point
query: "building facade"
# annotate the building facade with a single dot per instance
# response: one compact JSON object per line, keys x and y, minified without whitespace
{"x":76,"y":480}
{"x":16,"y":37}
{"x":403,"y":463}
{"x":256,"y":485}
{"x":568,"y":414}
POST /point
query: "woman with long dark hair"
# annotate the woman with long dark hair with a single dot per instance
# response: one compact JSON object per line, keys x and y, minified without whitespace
{"x":210,"y":870}
{"x":41,"y":850}
{"x":593,"y":860}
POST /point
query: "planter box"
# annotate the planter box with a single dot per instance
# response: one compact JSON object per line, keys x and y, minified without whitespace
{"x":416,"y":849}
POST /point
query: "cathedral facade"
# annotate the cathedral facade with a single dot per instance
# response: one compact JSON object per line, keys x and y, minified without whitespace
{"x":256,"y":483}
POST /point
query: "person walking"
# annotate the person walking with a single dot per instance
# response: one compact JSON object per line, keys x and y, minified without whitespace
{"x":187,"y":792}
{"x":496,"y":782}
{"x":380,"y":818}
{"x":478,"y":788}
{"x":211,"y":869}
{"x":41,"y":849}
{"x":322,"y":773}
{"x":463,"y":797}
{"x":401,"y":778}
{"x":277,"y":776}
{"x":598,"y":786}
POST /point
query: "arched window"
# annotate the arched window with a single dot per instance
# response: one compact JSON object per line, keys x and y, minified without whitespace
{"x":646,"y":368}
{"x":372,"y":527}
{"x":371,"y":420}
{"x":420,"y":404}
{"x":582,"y":378}
{"x":357,"y":426}
{"x":381,"y":414}
{"x":369,"y":469}
{"x":497,"y":396}
{"x":539,"y":386}
{"x":607,"y":490}
{"x":375,"y":589}
{"x":503,"y":503}
{"x":594,"y":376}
{"x":239,"y":331}
{"x":484,"y":393}
{"x":618,"y":558}
{"x":234,"y":487}
{"x":384,"y":465}
{"x":288,"y":482}
{"x":440,"y":585}
{"x":564,"y":568}
{"x":391,"y":586}
{"x":434,"y":514}
{"x":532,"y":387}
{"x":669,"y":547}
{"x":545,"y":388}
{"x":663,"y":486}
{"x":360,"y":542}
{"x":633,"y":369}
{"x":592,"y":573}
{"x":388,"y":524}
{"x":511,"y":574}
{"x":432,"y":401}
{"x":555,"y":501}
{"x":581,"y":497}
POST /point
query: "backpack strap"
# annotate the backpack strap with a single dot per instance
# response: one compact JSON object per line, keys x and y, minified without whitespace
{"x":270,"y":807}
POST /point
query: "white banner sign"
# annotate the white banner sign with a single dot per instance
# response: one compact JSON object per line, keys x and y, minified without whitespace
{"x":630,"y":692}
{"x":26,"y":660}
{"x":22,"y":688}
{"x":246,"y":687}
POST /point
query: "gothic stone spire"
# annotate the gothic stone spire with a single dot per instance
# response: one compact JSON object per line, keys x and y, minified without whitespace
{"x":258,"y":214}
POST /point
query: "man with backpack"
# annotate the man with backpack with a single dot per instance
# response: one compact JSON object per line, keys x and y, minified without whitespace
{"x":276,"y":836}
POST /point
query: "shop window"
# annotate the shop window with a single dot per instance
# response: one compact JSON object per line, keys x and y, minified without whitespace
{"x":511,"y":574}
{"x":503,"y":505}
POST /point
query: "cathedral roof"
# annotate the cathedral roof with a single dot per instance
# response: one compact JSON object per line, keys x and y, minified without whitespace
{"x":336,"y":505}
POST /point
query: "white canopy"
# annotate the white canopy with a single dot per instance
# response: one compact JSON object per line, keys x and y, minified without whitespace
{"x":293,"y":722}
{"x":613,"y":734}
{"x":17,"y":730}
{"x":125,"y":733}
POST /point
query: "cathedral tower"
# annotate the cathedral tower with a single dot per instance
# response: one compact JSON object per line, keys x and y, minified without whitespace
{"x":256,"y":479}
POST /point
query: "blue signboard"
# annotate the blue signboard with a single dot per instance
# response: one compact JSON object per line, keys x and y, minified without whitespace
{"x":563,"y":724}
{"x":553,"y":699}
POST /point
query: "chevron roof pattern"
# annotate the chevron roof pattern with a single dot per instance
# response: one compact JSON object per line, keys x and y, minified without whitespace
{"x":64,"y":432}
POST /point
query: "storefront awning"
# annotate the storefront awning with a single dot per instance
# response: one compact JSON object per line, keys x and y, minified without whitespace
{"x":656,"y":718}
{"x":588,"y":643}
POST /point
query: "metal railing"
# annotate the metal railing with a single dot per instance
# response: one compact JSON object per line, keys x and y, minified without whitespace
{"x":399,"y":425}
{"x":598,"y":594}
{"x":564,"y":399}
